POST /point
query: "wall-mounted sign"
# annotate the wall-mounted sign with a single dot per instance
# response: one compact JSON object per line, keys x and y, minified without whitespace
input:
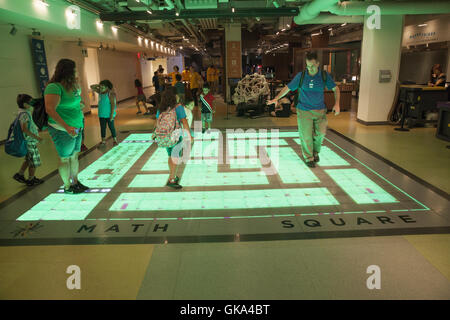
{"x":234,"y":59}
{"x":385,"y":76}
{"x":429,"y":32}
{"x":40,"y":62}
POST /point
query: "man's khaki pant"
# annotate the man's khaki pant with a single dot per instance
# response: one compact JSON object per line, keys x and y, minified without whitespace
{"x":312,"y":126}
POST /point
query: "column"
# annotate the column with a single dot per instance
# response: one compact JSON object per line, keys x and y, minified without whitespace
{"x":233,"y":53}
{"x":381,"y":50}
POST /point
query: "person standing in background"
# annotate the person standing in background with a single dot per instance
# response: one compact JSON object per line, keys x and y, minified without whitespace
{"x":106,"y":109}
{"x":173,"y":74}
{"x":179,"y":87}
{"x":195,"y":83}
{"x":186,"y":75}
{"x":140,"y":98}
{"x":210,"y":77}
{"x":155,"y":81}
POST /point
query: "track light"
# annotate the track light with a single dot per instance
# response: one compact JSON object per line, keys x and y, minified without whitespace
{"x":80,"y":43}
{"x":101,"y":46}
{"x":13,"y":30}
{"x":35,"y":33}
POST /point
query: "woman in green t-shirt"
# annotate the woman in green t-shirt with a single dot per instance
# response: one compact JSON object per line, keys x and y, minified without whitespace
{"x":65,"y":118}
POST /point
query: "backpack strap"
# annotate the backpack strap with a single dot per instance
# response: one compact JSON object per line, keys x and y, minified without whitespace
{"x":29,"y":118}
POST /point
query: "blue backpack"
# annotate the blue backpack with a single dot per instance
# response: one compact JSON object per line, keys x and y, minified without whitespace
{"x":16,"y":145}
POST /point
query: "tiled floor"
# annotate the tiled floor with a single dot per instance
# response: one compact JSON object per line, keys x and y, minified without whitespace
{"x":327,"y":265}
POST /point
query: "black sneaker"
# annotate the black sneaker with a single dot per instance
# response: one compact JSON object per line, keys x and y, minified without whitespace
{"x":20,"y":178}
{"x":177,"y":179}
{"x":81,"y":186}
{"x":34,"y":181}
{"x":203,"y":130}
{"x":316,"y":158}
{"x":311,"y":164}
{"x":173,"y":184}
{"x":73,"y":190}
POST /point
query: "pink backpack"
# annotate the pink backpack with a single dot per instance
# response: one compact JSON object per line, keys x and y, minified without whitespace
{"x":168,"y":130}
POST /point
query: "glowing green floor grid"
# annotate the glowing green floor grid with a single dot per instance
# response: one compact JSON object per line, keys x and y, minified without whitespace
{"x":139,"y":137}
{"x":217,"y":200}
{"x":360,"y":188}
{"x":63,"y":207}
{"x":260,"y":134}
{"x":205,"y":148}
{"x":149,"y":181}
{"x":112,"y":166}
{"x":212,"y":135}
{"x":290,"y":167}
{"x":244,"y":163}
{"x":157,"y":161}
{"x":328,"y":158}
{"x":197,"y":175}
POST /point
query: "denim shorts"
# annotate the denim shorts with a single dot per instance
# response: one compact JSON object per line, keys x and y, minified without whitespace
{"x":66,"y":145}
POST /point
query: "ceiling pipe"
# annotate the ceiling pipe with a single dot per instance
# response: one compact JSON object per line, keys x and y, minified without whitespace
{"x":326,"y":18}
{"x":390,"y":8}
{"x":312,"y":10}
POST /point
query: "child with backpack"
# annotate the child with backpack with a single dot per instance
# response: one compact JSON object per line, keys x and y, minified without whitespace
{"x":168,"y":132}
{"x":31,"y":136}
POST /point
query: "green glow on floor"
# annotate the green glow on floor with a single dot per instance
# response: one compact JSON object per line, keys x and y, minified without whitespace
{"x":359,"y":187}
{"x":328,"y":158}
{"x":290,"y":167}
{"x":197,"y":175}
{"x":244,"y":163}
{"x":139,"y":137}
{"x":157,"y":161}
{"x":63,"y":207}
{"x":379,"y":175}
{"x":260,"y":134}
{"x":205,"y":148}
{"x":106,"y":171}
{"x":212,"y":135}
{"x":149,"y":181}
{"x":218,"y":200}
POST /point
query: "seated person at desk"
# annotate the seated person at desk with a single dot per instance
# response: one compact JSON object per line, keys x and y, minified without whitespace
{"x":437,"y":77}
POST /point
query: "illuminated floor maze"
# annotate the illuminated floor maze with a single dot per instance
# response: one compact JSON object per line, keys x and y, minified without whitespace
{"x":226,"y":177}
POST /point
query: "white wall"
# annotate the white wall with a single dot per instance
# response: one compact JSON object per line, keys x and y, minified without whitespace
{"x":147,"y":73}
{"x":17,"y":75}
{"x":121,"y":69}
{"x":175,"y":61}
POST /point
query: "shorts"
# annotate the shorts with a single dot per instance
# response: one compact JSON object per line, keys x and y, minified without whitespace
{"x":66,"y":145}
{"x":33,"y":156}
{"x":207,"y":117}
{"x":141,"y":97}
{"x":179,"y":147}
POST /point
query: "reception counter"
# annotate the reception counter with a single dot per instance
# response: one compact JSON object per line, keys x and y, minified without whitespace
{"x":345,"y":99}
